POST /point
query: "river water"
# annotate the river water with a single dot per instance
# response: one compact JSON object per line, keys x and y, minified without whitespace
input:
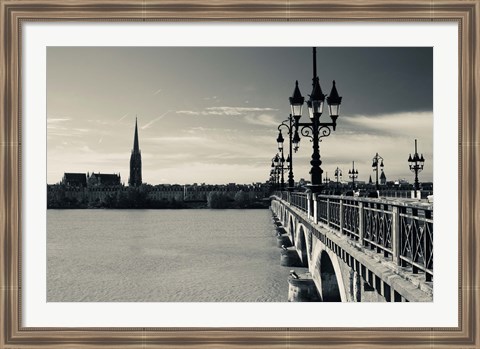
{"x":163,"y":256}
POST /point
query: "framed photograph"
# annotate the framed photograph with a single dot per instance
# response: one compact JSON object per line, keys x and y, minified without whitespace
{"x":162,"y":185}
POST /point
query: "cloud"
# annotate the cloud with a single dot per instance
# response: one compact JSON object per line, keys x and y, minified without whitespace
{"x":262,"y":120}
{"x":155,"y":120}
{"x":55,"y":125}
{"x":358,"y":138}
{"x":209,"y":173}
{"x":172,"y":139}
{"x":188,"y":112}
{"x":247,"y":143}
{"x":86,"y":149}
{"x":226,"y":111}
{"x":62,"y":128}
{"x":201,"y":129}
{"x":123,"y":117}
{"x":84,"y":130}
{"x":157,"y":92}
{"x":414,"y":124}
{"x":259,"y":116}
{"x":100,"y":122}
{"x":237,"y":110}
{"x":56,"y":120}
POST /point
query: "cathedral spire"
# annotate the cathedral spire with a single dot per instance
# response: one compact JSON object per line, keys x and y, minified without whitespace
{"x":135,"y":139}
{"x":135,"y":179}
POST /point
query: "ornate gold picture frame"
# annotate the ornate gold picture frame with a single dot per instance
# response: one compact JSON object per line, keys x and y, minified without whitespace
{"x":15,"y":13}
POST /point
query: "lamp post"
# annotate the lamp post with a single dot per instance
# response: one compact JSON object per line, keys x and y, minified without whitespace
{"x":353,"y":174}
{"x":315,"y":129}
{"x":273,"y":172}
{"x":277,"y":169}
{"x":377,"y":159}
{"x":281,"y":169}
{"x":338,"y":174}
{"x":291,"y":146}
{"x":326,"y":180}
{"x":272,"y":180}
{"x":416,"y":165}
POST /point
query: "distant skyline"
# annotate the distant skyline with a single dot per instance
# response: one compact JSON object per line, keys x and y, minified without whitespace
{"x":211,"y":114}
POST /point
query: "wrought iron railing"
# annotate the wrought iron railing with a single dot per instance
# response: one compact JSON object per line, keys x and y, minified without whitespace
{"x":402,"y":231}
{"x":403,"y":193}
{"x":299,"y":200}
{"x":377,"y":227}
{"x":351,"y":218}
{"x":416,"y":239}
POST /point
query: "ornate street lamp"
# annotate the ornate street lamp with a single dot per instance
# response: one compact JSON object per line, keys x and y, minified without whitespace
{"x":291,"y":146}
{"x":281,"y":169}
{"x":326,"y":180}
{"x":376,"y":162}
{"x":353,"y":174}
{"x":416,"y":165}
{"x":272,"y":180}
{"x":277,"y":168}
{"x":338,"y":175}
{"x":315,"y":129}
{"x":282,"y":159}
{"x":273,"y":173}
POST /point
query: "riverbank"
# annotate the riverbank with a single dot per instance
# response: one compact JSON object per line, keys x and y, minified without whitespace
{"x":163,"y":205}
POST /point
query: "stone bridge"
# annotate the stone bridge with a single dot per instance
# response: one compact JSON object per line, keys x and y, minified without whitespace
{"x":356,"y":249}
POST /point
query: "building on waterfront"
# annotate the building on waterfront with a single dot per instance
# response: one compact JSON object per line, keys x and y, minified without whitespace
{"x":135,"y":179}
{"x":82,"y":180}
{"x":103,"y":179}
{"x":75,"y":180}
{"x":199,"y":192}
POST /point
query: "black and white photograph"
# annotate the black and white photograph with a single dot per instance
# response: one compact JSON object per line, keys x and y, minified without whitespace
{"x":239,"y":174}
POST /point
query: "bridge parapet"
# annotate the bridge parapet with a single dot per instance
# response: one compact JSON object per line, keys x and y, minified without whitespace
{"x":402,"y":231}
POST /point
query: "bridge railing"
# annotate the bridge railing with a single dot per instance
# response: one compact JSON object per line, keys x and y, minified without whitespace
{"x":299,"y":200}
{"x":400,"y":231}
{"x":404,"y":193}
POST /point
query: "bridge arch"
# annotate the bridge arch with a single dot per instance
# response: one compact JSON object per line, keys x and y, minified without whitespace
{"x":330,"y":289}
{"x":328,"y":275}
{"x":291,"y":226}
{"x":302,"y":246}
{"x":293,"y":229}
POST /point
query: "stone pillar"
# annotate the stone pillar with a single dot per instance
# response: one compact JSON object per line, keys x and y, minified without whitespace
{"x":396,"y":235}
{"x":357,"y":287}
{"x":350,"y":285}
{"x":341,"y":216}
{"x":302,"y":289}
{"x":290,"y":258}
{"x":283,"y":240}
{"x":328,"y":212}
{"x":309,"y":199}
{"x":360,"y":222}
{"x":315,"y":209}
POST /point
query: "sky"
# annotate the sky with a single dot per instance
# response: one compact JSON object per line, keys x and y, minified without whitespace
{"x":210,"y":114}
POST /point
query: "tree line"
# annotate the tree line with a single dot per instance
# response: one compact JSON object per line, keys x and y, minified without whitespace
{"x":138,"y":199}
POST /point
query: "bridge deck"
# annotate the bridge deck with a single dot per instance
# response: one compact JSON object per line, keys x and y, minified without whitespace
{"x":390,"y":238}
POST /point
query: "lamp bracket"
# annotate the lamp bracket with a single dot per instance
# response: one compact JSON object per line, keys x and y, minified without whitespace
{"x":306,"y":131}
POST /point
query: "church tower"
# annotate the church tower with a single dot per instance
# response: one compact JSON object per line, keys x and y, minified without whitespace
{"x":135,"y":179}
